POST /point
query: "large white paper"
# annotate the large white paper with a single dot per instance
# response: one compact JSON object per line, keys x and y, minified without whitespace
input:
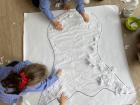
{"x":91,"y":54}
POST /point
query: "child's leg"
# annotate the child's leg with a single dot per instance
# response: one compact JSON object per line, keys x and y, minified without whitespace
{"x":81,"y":10}
{"x":45,"y":8}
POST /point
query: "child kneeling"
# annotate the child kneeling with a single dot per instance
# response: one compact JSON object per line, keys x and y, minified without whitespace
{"x":19,"y":78}
{"x":44,"y":5}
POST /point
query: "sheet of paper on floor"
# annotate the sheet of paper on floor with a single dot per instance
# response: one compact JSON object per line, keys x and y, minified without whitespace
{"x":91,"y":55}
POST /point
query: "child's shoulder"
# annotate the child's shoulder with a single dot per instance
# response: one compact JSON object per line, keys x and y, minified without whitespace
{"x":27,"y":62}
{"x":21,"y":65}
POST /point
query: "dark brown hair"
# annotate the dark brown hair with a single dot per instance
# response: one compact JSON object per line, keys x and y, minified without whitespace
{"x":35,"y":72}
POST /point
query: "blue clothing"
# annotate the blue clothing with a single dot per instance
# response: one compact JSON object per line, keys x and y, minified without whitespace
{"x":12,"y":98}
{"x":45,"y":7}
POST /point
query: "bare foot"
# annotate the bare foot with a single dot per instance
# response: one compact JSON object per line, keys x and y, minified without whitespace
{"x":66,"y":6}
{"x":57,"y":25}
{"x":63,"y":99}
{"x":85,"y":16}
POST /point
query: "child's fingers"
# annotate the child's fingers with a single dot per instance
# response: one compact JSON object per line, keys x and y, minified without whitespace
{"x":59,"y":73}
{"x":59,"y":69}
{"x":59,"y":26}
{"x":64,"y":96}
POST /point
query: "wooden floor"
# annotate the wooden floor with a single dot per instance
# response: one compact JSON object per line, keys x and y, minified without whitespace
{"x":11,"y":33}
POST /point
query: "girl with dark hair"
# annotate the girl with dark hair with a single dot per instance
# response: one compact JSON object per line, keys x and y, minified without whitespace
{"x":19,"y":78}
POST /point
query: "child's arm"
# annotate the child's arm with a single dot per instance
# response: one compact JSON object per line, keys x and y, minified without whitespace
{"x":81,"y":10}
{"x":45,"y":83}
{"x":45,"y":8}
{"x":8,"y":98}
{"x":21,"y":65}
{"x":54,"y":78}
{"x":80,"y":6}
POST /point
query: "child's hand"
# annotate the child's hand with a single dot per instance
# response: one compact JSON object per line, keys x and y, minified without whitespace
{"x":66,"y":7}
{"x":63,"y":99}
{"x":57,"y":25}
{"x":59,"y":73}
{"x":85,"y":17}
